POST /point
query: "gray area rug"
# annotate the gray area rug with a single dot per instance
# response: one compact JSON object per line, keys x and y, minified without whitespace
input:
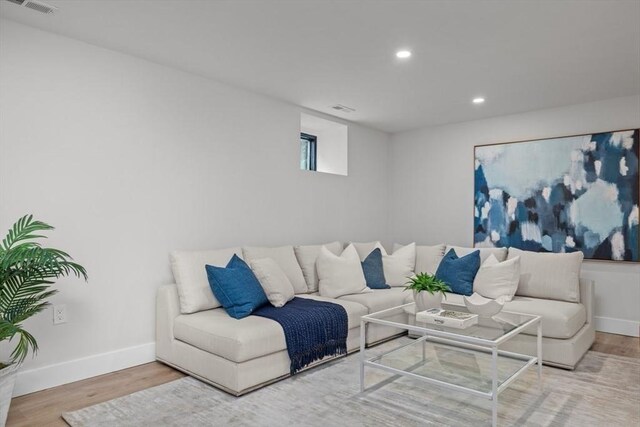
{"x":603,"y":391}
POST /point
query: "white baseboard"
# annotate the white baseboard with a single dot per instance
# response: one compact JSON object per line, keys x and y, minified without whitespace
{"x":618,"y":326}
{"x":86,"y":367}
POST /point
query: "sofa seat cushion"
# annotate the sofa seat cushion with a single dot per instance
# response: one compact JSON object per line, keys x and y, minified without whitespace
{"x":237,"y":340}
{"x":240,"y":340}
{"x":408,"y":298}
{"x":560,"y":319}
{"x":379,"y":299}
{"x":451,"y":299}
{"x":354,"y":310}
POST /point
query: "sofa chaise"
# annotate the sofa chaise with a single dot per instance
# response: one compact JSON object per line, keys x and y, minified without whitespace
{"x":195,"y":335}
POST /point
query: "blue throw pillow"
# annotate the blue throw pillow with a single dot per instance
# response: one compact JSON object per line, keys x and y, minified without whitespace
{"x":236,"y":287}
{"x":373,"y":271}
{"x":459,"y":273}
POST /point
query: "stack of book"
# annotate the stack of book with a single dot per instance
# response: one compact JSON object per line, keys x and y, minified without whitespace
{"x":450,"y":318}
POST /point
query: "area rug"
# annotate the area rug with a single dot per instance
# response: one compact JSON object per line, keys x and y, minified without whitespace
{"x":603,"y":390}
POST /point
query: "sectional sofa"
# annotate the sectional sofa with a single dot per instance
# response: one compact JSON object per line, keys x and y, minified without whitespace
{"x":195,"y":335}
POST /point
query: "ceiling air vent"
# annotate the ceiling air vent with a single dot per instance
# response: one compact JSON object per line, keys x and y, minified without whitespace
{"x":38,"y":6}
{"x":343,"y":108}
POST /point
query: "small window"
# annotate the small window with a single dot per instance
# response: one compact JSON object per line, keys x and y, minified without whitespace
{"x":308,"y":151}
{"x":323,"y":145}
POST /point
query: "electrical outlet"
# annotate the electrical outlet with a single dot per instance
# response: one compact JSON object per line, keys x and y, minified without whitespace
{"x":59,"y":314}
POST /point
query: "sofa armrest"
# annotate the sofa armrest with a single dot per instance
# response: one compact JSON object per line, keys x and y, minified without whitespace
{"x":587,"y":297}
{"x":167,"y":309}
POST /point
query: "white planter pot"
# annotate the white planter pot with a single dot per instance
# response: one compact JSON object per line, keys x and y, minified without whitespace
{"x":425,"y":301}
{"x":7,"y":381}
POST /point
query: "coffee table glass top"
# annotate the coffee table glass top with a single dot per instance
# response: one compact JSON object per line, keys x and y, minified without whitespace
{"x":487,"y":329}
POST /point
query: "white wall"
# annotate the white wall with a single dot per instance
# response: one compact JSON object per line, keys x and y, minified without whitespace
{"x":431,"y":193}
{"x":130,"y":160}
{"x":332,"y":151}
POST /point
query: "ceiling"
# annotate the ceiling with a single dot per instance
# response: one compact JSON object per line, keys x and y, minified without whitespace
{"x":311,"y":124}
{"x":519,"y":55}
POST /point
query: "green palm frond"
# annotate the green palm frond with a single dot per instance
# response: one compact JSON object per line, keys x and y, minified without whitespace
{"x":24,"y":229}
{"x":27,"y":271}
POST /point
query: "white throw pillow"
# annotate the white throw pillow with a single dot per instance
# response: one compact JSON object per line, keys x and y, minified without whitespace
{"x":427,"y":257}
{"x":400,"y":265}
{"x":549,"y":275}
{"x":191,"y":277}
{"x":286,"y":259}
{"x":364,"y":249}
{"x":274,"y":282}
{"x":340,"y":275}
{"x":500,"y":253}
{"x":307,"y":256}
{"x":498,"y":280}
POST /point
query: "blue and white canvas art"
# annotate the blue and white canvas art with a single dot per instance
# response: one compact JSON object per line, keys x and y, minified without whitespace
{"x":577,"y":193}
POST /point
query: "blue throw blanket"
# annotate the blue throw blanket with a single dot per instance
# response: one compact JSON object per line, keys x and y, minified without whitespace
{"x":312,"y":329}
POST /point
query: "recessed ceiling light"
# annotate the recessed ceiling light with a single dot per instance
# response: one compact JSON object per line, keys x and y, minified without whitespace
{"x":478,"y":100}
{"x":403,"y":54}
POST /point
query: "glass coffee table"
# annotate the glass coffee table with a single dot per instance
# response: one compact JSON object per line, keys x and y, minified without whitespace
{"x":466,"y":360}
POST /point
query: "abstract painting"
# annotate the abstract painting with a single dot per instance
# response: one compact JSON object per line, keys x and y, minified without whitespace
{"x":576,"y":193}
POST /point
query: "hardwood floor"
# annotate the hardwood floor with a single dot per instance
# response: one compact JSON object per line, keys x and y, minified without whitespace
{"x":619,"y":345}
{"x":44,"y":408}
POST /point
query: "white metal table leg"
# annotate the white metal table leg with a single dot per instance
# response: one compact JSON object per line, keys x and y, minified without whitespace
{"x":424,"y":345}
{"x":540,"y":354}
{"x":494,"y":386}
{"x":362,"y":345}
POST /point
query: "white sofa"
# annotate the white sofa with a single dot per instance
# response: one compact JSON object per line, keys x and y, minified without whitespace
{"x":196,"y":336}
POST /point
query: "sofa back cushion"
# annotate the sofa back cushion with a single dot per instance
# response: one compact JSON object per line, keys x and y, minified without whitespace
{"x":285,"y":258}
{"x":307,"y":256}
{"x":364,"y":249}
{"x":340,"y":275}
{"x":236,"y":287}
{"x":500,"y":253}
{"x":549,"y":275}
{"x":191,"y":277}
{"x":399,"y":266}
{"x":427,"y":257}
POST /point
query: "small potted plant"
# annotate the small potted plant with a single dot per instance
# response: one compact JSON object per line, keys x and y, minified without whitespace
{"x":27,"y":271}
{"x":428,"y":291}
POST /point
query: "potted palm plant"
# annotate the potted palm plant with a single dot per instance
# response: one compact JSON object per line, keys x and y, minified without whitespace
{"x":428,"y":290}
{"x":27,"y":271}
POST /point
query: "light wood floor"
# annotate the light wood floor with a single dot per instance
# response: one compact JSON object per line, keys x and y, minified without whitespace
{"x":45,"y":407}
